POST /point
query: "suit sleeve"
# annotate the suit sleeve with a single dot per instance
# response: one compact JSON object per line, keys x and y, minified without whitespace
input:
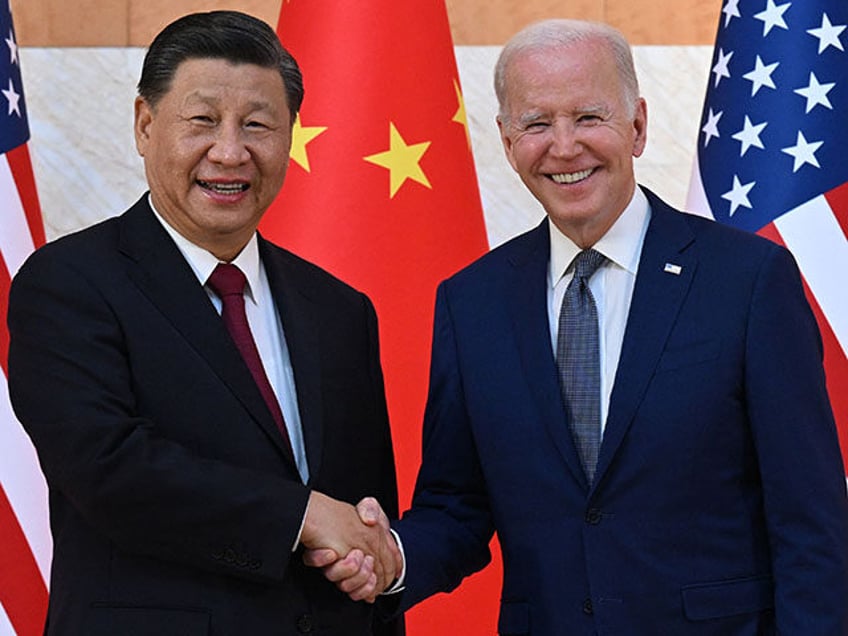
{"x":798,"y":453}
{"x":74,"y":388}
{"x":447,"y":531}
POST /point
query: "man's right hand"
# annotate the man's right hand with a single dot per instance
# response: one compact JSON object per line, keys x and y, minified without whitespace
{"x":353,"y":546}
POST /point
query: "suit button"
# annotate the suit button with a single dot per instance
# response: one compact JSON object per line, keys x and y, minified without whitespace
{"x":587,"y":606}
{"x":304,"y":624}
{"x":593,"y":516}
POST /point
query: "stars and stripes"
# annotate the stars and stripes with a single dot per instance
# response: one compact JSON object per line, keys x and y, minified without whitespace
{"x":24,"y":535}
{"x":770,"y":149}
{"x":779,"y":86}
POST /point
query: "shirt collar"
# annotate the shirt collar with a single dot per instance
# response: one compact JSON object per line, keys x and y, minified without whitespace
{"x":622,"y":243}
{"x":203,"y":262}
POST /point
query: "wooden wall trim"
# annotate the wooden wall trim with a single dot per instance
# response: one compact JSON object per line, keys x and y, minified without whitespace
{"x":59,"y":23}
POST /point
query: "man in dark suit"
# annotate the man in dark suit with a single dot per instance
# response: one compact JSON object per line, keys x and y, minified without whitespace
{"x":188,"y":459}
{"x":652,"y":440}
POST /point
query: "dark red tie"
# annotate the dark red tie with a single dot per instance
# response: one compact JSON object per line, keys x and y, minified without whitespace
{"x":228,"y":281}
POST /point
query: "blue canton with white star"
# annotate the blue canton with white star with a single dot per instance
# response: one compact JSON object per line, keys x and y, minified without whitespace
{"x":774,"y":128}
{"x":14,"y":130}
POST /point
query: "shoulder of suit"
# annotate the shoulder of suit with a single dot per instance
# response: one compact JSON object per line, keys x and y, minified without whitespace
{"x":306,"y":273}
{"x":722,"y":236}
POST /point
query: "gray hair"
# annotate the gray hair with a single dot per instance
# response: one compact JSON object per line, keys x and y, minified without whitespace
{"x":552,"y":34}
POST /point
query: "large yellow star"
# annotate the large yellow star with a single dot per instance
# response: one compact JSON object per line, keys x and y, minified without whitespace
{"x":401,"y":160}
{"x":461,"y":117}
{"x":300,"y":137}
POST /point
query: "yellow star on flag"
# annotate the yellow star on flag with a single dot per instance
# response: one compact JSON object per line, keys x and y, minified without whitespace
{"x":401,"y":160}
{"x":300,"y":137}
{"x":461,"y":117}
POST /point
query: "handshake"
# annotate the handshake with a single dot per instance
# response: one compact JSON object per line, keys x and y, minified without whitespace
{"x":353,"y":546}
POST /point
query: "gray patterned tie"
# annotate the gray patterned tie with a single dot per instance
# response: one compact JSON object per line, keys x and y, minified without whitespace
{"x":578,"y":360}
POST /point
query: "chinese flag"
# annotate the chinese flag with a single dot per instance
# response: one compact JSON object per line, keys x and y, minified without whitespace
{"x":381,"y":191}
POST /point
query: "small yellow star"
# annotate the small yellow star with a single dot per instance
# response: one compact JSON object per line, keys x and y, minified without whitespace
{"x":401,"y":160}
{"x":461,"y":117}
{"x":300,"y":137}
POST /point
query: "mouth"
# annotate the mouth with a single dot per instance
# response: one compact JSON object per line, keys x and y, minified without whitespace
{"x":567,"y":178}
{"x":225,"y":188}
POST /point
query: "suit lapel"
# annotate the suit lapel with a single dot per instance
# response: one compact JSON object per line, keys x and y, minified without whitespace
{"x":166,"y":279}
{"x":657,"y":298}
{"x":528,"y":310}
{"x":299,"y":315}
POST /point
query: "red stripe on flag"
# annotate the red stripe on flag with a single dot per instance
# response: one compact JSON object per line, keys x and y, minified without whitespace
{"x":838,"y":200}
{"x":22,"y":591}
{"x":835,"y":360}
{"x":836,"y":370}
{"x":5,"y":284}
{"x":21,"y":167}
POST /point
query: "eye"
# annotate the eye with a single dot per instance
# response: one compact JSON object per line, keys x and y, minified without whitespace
{"x":201,"y":119}
{"x":590,"y":119}
{"x":256,"y":124}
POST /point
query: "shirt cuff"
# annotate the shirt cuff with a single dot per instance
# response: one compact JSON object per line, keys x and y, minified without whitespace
{"x":302,"y":523}
{"x":398,"y":584}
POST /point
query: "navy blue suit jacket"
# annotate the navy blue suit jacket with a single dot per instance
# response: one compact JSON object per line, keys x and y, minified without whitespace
{"x":719,"y":504}
{"x":174,"y":503}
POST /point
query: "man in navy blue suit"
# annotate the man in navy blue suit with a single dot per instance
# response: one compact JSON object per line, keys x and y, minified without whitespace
{"x":701,"y":490}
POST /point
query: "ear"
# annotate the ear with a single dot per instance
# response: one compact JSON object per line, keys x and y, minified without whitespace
{"x":507,"y":142}
{"x":640,"y":127}
{"x":143,"y":121}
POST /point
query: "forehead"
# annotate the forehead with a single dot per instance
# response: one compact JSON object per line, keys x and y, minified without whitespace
{"x":574,"y":72}
{"x":213,"y":79}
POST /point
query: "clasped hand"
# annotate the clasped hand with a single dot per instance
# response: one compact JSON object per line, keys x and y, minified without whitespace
{"x":352,"y":546}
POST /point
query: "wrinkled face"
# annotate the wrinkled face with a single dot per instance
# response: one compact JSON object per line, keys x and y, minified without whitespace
{"x":571,"y":136}
{"x":216,"y":149}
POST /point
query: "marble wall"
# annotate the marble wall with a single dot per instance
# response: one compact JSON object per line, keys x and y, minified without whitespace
{"x":80,"y":114}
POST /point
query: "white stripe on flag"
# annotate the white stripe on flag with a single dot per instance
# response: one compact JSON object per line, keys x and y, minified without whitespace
{"x":5,"y":624}
{"x":24,"y":484}
{"x":15,"y":239}
{"x":696,"y":198}
{"x":815,"y":238}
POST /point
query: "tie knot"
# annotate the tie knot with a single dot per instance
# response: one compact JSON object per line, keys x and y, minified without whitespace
{"x":586,"y":263}
{"x":226,"y":280}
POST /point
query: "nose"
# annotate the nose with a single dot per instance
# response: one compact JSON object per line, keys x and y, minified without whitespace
{"x":228,"y":146}
{"x":565,"y":141}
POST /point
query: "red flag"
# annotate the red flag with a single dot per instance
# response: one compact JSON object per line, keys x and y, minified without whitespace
{"x":381,"y":191}
{"x":24,"y":534}
{"x":770,"y":152}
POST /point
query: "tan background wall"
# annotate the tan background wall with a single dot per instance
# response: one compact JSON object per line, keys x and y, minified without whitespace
{"x":66,"y":23}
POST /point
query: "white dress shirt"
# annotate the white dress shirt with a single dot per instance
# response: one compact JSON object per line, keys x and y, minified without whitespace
{"x":611,"y":285}
{"x":265,"y":325}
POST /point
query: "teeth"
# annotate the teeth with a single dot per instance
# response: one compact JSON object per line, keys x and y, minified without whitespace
{"x":572,"y":177}
{"x":224,"y":188}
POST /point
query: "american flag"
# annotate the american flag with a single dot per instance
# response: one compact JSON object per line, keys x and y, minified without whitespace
{"x":24,"y":534}
{"x":771,"y":150}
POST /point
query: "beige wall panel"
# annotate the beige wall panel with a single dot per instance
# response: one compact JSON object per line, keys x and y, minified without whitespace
{"x":487,"y":22}
{"x":148,"y":17}
{"x":665,"y":22}
{"x":77,"y":23}
{"x":473,"y":22}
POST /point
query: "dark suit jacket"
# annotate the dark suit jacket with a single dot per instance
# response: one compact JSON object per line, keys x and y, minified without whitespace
{"x":719,"y":505}
{"x":174,"y":507}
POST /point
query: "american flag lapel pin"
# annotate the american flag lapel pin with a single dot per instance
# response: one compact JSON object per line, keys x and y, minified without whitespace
{"x":671,"y":268}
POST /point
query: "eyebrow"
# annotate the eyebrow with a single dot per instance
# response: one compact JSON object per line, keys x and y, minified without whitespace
{"x":592,"y":109}
{"x":529,"y":118}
